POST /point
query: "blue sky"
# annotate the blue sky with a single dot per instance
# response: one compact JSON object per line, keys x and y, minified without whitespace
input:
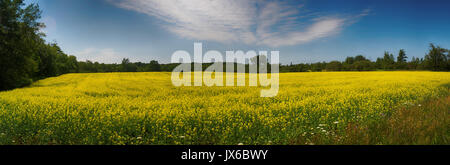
{"x":303,"y":31}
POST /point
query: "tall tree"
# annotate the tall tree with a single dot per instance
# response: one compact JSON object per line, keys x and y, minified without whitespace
{"x":388,"y":61}
{"x":19,"y":37}
{"x":360,"y":58}
{"x":127,"y":66}
{"x":401,"y":59}
{"x":334,"y":66}
{"x":154,"y":66}
{"x":436,"y":59}
{"x":448,"y":59}
{"x":349,"y":60}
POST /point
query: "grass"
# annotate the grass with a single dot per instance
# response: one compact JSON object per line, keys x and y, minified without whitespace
{"x":426,"y":123}
{"x":310,"y":108}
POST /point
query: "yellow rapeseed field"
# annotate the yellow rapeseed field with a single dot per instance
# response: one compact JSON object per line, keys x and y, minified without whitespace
{"x":145,"y":108}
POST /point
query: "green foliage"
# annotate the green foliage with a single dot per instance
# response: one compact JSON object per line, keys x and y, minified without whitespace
{"x":401,"y":60}
{"x":387,"y":62}
{"x":127,"y":66}
{"x":436,"y":59}
{"x":364,"y":65}
{"x":334,"y":66}
{"x":153,"y":66}
{"x":18,"y":37}
{"x":24,"y":55}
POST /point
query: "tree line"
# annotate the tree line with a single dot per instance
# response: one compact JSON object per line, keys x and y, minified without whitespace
{"x":437,"y":59}
{"x":25,"y":56}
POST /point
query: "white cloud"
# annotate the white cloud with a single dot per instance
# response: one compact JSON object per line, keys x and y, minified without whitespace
{"x":106,"y":55}
{"x":248,"y":21}
{"x":319,"y":29}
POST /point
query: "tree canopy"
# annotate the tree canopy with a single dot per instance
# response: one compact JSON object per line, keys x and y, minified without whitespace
{"x":24,"y":54}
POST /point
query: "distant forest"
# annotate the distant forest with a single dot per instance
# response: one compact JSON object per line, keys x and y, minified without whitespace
{"x":26,"y":57}
{"x":437,"y":59}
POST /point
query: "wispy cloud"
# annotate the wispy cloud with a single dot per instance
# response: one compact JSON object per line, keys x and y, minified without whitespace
{"x":252,"y":22}
{"x":106,"y":55}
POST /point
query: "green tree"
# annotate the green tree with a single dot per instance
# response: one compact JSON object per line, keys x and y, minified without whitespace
{"x":334,"y":66}
{"x":19,"y":40}
{"x":364,"y":65}
{"x":154,"y":66}
{"x":348,"y":63}
{"x":127,"y":66}
{"x":401,"y":59}
{"x":387,"y":63}
{"x":360,"y":58}
{"x":448,"y":59}
{"x":436,"y":59}
{"x":349,"y":60}
{"x":72,"y":64}
{"x":414,"y":64}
